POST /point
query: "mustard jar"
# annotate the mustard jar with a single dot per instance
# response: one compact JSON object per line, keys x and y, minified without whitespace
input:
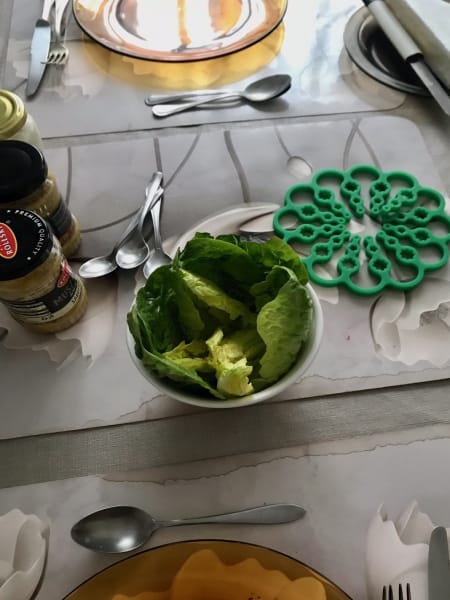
{"x":15,"y":122}
{"x":37,"y":286}
{"x":25,"y":182}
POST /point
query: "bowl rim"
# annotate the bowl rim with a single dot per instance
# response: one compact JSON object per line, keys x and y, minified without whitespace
{"x":307,"y":355}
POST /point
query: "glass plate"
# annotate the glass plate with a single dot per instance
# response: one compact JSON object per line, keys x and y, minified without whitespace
{"x":150,"y":574}
{"x":178,"y":30}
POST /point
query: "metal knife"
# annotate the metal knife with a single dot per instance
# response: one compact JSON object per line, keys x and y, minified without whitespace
{"x":408,"y":50}
{"x":438,"y":566}
{"x":40,"y":45}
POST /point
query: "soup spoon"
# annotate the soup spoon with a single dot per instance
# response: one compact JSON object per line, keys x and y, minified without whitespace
{"x":124,"y":528}
{"x":134,"y":252}
{"x":261,"y":90}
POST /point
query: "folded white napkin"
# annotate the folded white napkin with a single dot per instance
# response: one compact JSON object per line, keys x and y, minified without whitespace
{"x":397,"y":551}
{"x":428,"y":23}
{"x":23,"y":548}
{"x":414,"y":327}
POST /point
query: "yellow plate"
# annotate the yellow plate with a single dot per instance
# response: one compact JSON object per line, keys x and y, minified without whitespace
{"x":193,"y":570}
{"x":178,"y":30}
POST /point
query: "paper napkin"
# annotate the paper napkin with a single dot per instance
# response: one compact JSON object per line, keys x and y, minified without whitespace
{"x":397,"y":551}
{"x":23,"y":548}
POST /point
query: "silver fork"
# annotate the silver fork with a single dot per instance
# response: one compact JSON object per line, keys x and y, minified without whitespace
{"x":58,"y":53}
{"x":388,"y":593}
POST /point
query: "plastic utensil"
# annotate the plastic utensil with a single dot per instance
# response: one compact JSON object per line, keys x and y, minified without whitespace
{"x":404,"y":220}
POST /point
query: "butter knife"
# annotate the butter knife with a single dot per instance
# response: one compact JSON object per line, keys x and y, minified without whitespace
{"x":40,"y":45}
{"x":408,"y":50}
{"x":438,"y":566}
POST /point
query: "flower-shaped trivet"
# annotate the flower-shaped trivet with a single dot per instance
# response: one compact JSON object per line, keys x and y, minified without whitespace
{"x":411,"y":237}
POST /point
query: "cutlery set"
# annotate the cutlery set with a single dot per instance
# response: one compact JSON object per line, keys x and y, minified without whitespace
{"x":47,"y":46}
{"x":438,"y":572}
{"x":261,"y":90}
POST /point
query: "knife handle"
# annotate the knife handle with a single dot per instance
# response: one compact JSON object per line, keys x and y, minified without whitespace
{"x":46,"y":9}
{"x":399,"y":37}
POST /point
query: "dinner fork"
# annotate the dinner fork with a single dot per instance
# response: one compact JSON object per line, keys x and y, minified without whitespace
{"x":388,"y":593}
{"x":58,"y":53}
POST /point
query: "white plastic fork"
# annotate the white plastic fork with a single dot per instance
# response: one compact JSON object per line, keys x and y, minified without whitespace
{"x":59,"y":53}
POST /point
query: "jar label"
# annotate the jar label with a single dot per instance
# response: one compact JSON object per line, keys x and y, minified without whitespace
{"x":8,"y":242}
{"x":54,"y":305}
{"x":61,"y":219}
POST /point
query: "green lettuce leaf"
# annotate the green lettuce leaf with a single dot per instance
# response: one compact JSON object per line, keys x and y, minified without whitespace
{"x":284,"y":323}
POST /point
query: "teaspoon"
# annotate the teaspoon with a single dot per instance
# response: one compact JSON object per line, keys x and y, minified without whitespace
{"x":135,"y":250}
{"x":103,"y":265}
{"x":261,"y":90}
{"x":124,"y":528}
{"x":157,"y":257}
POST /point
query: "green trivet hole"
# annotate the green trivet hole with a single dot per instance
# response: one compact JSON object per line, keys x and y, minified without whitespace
{"x":404,"y":211}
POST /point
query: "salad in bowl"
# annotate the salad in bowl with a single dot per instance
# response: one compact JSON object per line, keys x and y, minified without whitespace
{"x":228,"y":322}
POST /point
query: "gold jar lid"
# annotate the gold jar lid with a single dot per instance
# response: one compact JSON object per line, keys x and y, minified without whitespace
{"x":12,"y":114}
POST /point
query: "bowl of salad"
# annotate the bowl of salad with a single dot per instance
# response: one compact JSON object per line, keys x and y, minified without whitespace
{"x":228,"y":323}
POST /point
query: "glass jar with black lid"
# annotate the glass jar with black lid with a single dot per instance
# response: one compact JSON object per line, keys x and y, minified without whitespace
{"x":37,"y":285}
{"x":25,"y":182}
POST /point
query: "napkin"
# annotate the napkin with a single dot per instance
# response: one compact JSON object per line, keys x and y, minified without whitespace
{"x":414,"y":327}
{"x":23,"y":549}
{"x":428,"y":23}
{"x":397,"y":551}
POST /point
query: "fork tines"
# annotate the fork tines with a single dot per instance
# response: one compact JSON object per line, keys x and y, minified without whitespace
{"x":388,"y":593}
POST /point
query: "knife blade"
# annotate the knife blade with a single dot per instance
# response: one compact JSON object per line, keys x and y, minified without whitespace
{"x":438,"y":566}
{"x":40,"y":45}
{"x":408,"y":50}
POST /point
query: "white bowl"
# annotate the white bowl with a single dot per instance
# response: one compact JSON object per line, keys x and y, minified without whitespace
{"x":302,"y":363}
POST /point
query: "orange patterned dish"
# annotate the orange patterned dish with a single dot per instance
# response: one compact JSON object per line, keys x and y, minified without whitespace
{"x":178,"y":30}
{"x":208,"y":570}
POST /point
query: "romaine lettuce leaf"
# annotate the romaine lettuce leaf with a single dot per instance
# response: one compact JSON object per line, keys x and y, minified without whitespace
{"x":214,"y":297}
{"x":185,"y":376}
{"x":284,"y":324}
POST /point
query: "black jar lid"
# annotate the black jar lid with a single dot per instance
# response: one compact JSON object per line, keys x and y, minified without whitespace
{"x":25,"y":242}
{"x":22,"y":169}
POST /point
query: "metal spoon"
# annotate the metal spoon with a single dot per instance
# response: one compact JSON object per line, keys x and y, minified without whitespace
{"x":124,"y":528}
{"x":258,"y":91}
{"x":135,"y":250}
{"x":103,"y":265}
{"x":157,"y":257}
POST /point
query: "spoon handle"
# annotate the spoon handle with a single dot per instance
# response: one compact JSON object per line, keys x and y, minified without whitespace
{"x":154,"y":99}
{"x":164,"y":110}
{"x":155,"y":213}
{"x":262,"y":515}
{"x":152,"y":191}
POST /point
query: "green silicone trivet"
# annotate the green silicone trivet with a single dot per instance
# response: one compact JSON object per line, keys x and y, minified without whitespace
{"x":404,"y":217}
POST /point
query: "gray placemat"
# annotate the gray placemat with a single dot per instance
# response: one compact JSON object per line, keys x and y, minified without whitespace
{"x":85,"y":378}
{"x":99,"y":91}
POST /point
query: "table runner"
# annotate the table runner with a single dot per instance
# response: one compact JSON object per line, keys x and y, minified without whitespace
{"x":72,"y":383}
{"x":99,"y":91}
